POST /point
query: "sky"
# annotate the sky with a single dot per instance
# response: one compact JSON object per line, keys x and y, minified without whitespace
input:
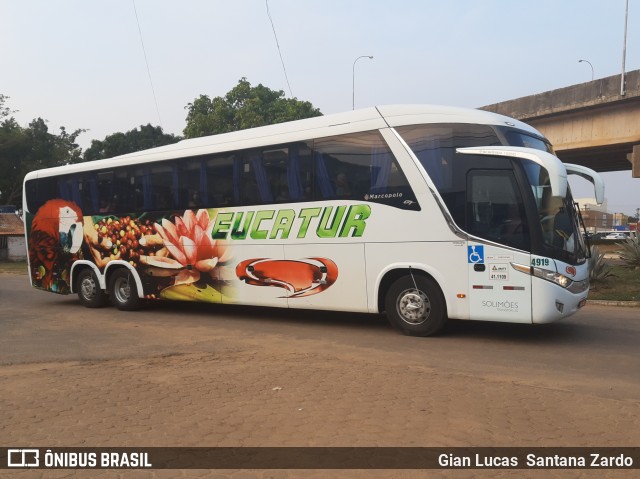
{"x":80,"y":64}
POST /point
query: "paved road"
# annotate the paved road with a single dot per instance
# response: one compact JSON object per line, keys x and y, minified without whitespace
{"x":199,"y":375}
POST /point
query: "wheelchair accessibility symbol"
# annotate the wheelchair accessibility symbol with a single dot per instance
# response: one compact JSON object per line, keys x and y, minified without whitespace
{"x":475,"y":254}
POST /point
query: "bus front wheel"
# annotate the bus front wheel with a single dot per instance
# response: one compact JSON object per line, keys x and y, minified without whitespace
{"x":123,"y":292}
{"x":89,"y":291}
{"x":415,"y":306}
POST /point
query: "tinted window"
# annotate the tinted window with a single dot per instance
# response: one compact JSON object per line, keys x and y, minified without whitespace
{"x":255,"y":182}
{"x":165,"y":186}
{"x":89,"y":198}
{"x":558,"y":217}
{"x":435,"y":144}
{"x":495,"y":210}
{"x":105,"y":191}
{"x":357,"y":167}
{"x":275,"y":163}
{"x":39,"y":191}
{"x":30,"y":190}
{"x":116,"y":192}
{"x":360,"y":166}
{"x":192,"y":184}
{"x":220,"y":188}
{"x":518,"y":138}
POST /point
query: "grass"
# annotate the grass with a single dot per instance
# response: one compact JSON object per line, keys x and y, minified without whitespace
{"x":624,"y":286}
{"x":13,"y":267}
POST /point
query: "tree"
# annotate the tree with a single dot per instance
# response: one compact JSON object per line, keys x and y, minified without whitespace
{"x":24,"y":149}
{"x":13,"y":147}
{"x":4,"y":111}
{"x":147,"y":136}
{"x":243,"y":107}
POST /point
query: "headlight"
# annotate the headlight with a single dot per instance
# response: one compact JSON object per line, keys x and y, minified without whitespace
{"x":545,"y":274}
{"x":553,"y":277}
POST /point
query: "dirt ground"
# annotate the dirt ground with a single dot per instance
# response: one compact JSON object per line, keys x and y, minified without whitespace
{"x":196,"y":376}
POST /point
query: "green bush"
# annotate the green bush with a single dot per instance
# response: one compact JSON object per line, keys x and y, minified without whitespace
{"x":599,"y":270}
{"x":630,"y":253}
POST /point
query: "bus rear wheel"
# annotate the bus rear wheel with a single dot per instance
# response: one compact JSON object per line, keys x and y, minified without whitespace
{"x":415,"y":306}
{"x":89,"y":291}
{"x":122,"y":289}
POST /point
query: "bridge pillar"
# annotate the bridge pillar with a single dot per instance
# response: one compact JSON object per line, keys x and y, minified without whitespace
{"x":634,"y":159}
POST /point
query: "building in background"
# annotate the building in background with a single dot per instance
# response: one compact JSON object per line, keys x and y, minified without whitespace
{"x":597,"y":219}
{"x":12,"y":242}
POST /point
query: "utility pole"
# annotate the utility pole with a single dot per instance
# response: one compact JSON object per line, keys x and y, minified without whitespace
{"x":624,"y":48}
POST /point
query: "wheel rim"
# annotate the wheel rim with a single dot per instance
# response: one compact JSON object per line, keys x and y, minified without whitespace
{"x":413,"y":306}
{"x":89,"y":288}
{"x":122,"y":290}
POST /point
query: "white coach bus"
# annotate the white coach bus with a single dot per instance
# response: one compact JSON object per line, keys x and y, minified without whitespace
{"x":425,"y":213}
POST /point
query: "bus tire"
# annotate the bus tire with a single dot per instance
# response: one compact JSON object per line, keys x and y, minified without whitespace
{"x":89,"y":291}
{"x":416,"y":312}
{"x":123,"y":291}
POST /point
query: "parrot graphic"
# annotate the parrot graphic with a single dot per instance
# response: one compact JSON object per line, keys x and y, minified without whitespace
{"x":54,"y":243}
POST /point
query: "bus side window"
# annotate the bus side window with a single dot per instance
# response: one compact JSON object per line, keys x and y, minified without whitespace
{"x":69,"y":188}
{"x":256,"y":178}
{"x":115,"y":192}
{"x":495,"y":208}
{"x":105,"y":192}
{"x":42,"y":189}
{"x":30,"y":190}
{"x":165,"y":185}
{"x":275,"y":163}
{"x":222,"y":189}
{"x":360,"y":166}
{"x":343,"y":165}
{"x":193,"y":184}
{"x":300,"y":172}
{"x":435,"y":145}
{"x":89,"y":193}
{"x":138,"y":190}
{"x":121,"y":201}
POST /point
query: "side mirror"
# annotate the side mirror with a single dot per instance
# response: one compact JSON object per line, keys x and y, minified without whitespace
{"x":589,"y":175}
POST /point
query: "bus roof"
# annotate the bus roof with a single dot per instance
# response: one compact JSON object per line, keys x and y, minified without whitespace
{"x":328,"y":125}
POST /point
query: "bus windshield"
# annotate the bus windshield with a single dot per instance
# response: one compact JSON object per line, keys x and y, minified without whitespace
{"x":558,"y":217}
{"x":521,"y":138}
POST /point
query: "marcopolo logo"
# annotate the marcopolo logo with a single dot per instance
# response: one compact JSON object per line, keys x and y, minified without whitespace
{"x":382,"y":196}
{"x":23,"y":458}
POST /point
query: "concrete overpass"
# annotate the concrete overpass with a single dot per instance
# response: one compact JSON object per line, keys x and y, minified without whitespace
{"x":589,"y":124}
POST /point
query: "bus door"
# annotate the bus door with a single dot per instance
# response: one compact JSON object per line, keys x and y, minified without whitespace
{"x":496,"y":217}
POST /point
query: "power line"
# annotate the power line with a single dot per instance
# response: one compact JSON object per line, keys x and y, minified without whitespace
{"x":144,"y":51}
{"x":278,"y":45}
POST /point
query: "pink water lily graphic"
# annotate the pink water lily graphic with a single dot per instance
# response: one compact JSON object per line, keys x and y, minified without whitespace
{"x":193,"y":252}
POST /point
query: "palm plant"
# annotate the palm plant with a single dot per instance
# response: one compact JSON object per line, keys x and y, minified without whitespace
{"x":599,"y":270}
{"x":630,"y":253}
